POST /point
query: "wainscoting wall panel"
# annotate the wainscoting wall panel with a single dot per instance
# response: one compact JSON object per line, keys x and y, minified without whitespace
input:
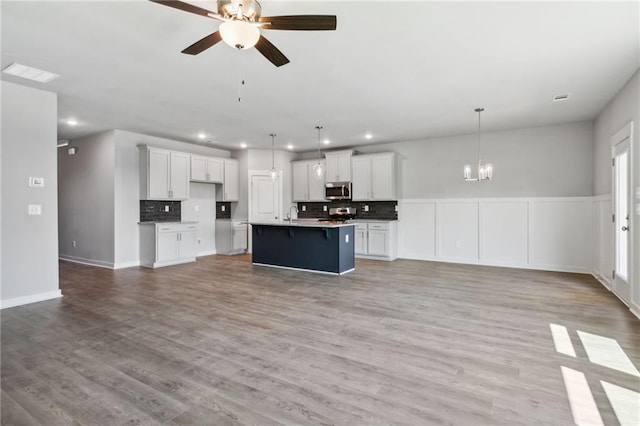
{"x":505,"y":226}
{"x":536,"y":233}
{"x":602,"y":239}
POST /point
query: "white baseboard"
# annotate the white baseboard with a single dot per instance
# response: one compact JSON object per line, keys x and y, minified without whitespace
{"x":606,"y":283}
{"x":207,"y":253}
{"x":122,"y":265}
{"x":635,"y":309}
{"x":18,"y":301}
{"x":90,"y":262}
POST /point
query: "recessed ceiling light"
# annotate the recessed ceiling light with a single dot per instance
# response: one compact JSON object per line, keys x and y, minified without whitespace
{"x":201,"y":135}
{"x":30,"y":73}
{"x":72,"y":122}
{"x":368,"y":136}
{"x":289,"y":147}
{"x":243,"y":145}
{"x":562,"y":97}
{"x":326,"y":141}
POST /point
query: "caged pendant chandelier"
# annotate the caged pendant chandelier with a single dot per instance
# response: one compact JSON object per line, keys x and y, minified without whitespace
{"x":273,"y":173}
{"x":485,"y":171}
{"x":318,"y":168}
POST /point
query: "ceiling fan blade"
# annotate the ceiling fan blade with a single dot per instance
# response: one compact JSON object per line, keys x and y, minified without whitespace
{"x":300,"y":22}
{"x":203,"y":44}
{"x":186,"y":7}
{"x":271,"y":52}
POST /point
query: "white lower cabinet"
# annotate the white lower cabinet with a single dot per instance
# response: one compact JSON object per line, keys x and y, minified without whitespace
{"x":231,"y":236}
{"x":376,"y":240}
{"x":164,"y":244}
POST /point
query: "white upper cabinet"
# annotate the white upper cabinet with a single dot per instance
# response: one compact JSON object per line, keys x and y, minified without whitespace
{"x":230,"y":185}
{"x":207,"y":169}
{"x":338,"y":166}
{"x":374,"y":177}
{"x":164,"y":174}
{"x":306,"y":186}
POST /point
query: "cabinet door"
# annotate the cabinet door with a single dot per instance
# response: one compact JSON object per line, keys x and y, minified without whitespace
{"x":360,"y":241}
{"x":198,"y":168}
{"x":300,"y":176}
{"x":315,"y":184}
{"x":239,"y":238}
{"x":378,"y":242}
{"x":344,"y":168}
{"x":215,"y":170}
{"x":180,"y":175}
{"x":187,"y":242}
{"x":361,"y":170}
{"x":158,"y":173}
{"x":332,"y":168}
{"x":382,"y":178}
{"x":230,"y":186}
{"x":166,"y":246}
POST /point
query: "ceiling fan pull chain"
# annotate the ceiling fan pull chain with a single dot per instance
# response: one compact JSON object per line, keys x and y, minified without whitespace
{"x":240,"y":75}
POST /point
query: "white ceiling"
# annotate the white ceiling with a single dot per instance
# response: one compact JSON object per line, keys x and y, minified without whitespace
{"x":400,"y":70}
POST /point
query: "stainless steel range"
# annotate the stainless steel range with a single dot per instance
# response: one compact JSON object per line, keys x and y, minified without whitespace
{"x":340,"y":214}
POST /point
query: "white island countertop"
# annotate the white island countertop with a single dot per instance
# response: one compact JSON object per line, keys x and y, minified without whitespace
{"x":305,"y":223}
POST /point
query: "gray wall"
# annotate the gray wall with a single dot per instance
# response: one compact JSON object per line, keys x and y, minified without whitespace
{"x":260,"y":160}
{"x":85,"y":199}
{"x":622,"y":109}
{"x":29,"y":243}
{"x":551,"y":161}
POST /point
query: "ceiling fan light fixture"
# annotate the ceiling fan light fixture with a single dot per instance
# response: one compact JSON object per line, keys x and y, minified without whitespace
{"x":239,"y":34}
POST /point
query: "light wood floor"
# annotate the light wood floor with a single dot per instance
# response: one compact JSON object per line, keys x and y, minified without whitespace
{"x":223,"y":342}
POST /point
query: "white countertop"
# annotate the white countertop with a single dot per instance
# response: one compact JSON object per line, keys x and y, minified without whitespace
{"x":304,"y":223}
{"x":183,"y":222}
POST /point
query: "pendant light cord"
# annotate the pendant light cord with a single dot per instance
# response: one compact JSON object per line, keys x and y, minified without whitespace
{"x":319,"y":155}
{"x":273,"y":156}
{"x":240,"y":75}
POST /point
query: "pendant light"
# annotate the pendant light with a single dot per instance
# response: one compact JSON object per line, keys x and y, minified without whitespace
{"x":318,"y":168}
{"x":273,"y":173}
{"x":485,"y":171}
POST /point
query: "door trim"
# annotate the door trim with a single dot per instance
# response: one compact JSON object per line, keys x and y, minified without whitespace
{"x":626,"y":132}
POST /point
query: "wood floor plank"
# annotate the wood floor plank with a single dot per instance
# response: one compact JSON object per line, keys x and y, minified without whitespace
{"x":221,"y":341}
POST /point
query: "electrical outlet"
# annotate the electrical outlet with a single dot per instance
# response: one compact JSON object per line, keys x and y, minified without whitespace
{"x":34,"y":209}
{"x":304,"y":208}
{"x":199,"y":241}
{"x":366,"y":207}
{"x":223,"y":208}
{"x":324,"y":208}
{"x":166,"y":208}
{"x":36,"y":182}
{"x":395,"y":208}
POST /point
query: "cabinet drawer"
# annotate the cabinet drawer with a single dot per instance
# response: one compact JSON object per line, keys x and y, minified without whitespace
{"x":177,"y":227}
{"x":384,"y":225}
{"x":361,"y":226}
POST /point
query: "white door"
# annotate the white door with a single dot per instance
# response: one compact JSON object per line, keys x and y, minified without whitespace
{"x":361,"y":173}
{"x":180,"y":172}
{"x":159,"y":174}
{"x":621,"y":215}
{"x":265,"y":199}
{"x":382,"y":178}
{"x":230,"y":185}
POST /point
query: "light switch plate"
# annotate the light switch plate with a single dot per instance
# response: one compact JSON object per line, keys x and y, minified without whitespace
{"x":366,"y":208}
{"x":36,"y":182}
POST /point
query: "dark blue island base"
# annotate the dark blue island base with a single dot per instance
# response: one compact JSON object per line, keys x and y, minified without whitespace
{"x":328,"y":249}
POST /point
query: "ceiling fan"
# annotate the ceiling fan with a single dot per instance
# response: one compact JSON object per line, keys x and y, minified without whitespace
{"x":242,"y":21}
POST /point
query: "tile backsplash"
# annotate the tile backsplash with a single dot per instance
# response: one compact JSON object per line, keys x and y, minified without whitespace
{"x":154,"y":211}
{"x":223,"y":210}
{"x":381,"y":210}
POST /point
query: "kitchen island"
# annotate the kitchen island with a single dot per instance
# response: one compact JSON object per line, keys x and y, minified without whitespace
{"x":307,"y":245}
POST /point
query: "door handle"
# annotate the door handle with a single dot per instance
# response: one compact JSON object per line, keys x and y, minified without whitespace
{"x":625,"y":228}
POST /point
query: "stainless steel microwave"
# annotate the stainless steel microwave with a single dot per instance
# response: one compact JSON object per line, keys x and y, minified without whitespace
{"x":337,"y":190}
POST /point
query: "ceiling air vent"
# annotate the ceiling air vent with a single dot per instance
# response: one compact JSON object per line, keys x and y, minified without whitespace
{"x":30,"y":73}
{"x":563,"y":97}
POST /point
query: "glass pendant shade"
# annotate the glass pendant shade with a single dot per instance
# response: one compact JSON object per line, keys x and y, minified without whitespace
{"x":485,"y":171}
{"x":273,"y":174}
{"x":239,"y":34}
{"x":318,"y":170}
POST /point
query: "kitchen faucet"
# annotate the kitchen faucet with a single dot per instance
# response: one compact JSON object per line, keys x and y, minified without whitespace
{"x":289,"y":218}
